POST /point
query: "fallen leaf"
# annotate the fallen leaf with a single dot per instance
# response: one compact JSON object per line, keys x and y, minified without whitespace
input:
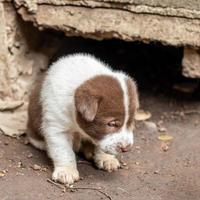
{"x":2,"y":174}
{"x":142,"y":115}
{"x":165,"y":137}
{"x":186,"y":87}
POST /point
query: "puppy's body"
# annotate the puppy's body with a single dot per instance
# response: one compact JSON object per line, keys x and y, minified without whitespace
{"x":82,"y":105}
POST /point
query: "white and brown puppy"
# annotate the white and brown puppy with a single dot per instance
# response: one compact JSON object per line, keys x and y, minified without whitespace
{"x":82,"y":105}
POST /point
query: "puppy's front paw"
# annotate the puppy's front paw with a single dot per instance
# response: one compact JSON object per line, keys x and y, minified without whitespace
{"x":107,"y":162}
{"x":66,"y":175}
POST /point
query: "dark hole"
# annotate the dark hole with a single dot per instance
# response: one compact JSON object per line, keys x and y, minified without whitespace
{"x":155,"y":67}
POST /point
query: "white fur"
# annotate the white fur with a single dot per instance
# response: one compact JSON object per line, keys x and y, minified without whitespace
{"x":110,"y":143}
{"x":57,"y":98}
{"x":106,"y":161}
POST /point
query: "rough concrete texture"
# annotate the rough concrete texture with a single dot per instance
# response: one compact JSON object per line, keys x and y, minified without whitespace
{"x":191,"y":63}
{"x":24,"y":51}
{"x":4,"y":83}
{"x":187,"y":9}
{"x":174,"y":25}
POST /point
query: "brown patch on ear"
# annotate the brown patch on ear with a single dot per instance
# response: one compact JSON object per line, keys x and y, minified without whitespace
{"x":86,"y":104}
{"x":99,"y":99}
{"x":133,"y":100}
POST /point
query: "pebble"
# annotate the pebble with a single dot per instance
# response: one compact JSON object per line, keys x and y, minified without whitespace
{"x":30,"y":155}
{"x":36,"y":167}
{"x":162,"y":129}
{"x":26,"y":142}
{"x":150,"y":126}
{"x":19,"y":165}
{"x":2,"y":173}
{"x":6,"y":143}
{"x":164,"y":147}
{"x":137,"y":163}
{"x":137,"y":147}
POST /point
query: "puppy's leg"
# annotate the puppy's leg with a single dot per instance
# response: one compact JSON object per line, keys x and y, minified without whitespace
{"x":106,"y":161}
{"x":35,"y":139}
{"x":88,"y":149}
{"x":102,"y":160}
{"x":59,"y":147}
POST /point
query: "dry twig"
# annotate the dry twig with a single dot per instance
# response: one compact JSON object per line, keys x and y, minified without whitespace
{"x":79,"y":188}
{"x":96,"y":189}
{"x":56,"y":184}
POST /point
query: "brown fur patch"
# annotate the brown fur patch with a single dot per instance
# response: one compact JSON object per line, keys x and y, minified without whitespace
{"x":133,"y":101}
{"x":35,"y":111}
{"x":105,"y":104}
{"x":82,"y":144}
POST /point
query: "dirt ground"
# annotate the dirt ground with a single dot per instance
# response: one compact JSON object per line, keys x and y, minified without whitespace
{"x":151,"y":171}
{"x":154,"y":170}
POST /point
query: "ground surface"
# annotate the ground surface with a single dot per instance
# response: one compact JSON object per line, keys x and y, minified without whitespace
{"x":155,"y":170}
{"x":151,"y":173}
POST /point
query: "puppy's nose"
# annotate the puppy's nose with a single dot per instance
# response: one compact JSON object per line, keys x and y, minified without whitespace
{"x":124,"y":148}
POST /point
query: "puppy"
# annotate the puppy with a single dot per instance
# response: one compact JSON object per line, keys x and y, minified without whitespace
{"x":82,"y":105}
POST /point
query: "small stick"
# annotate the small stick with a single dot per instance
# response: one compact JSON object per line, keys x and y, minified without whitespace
{"x":56,"y":184}
{"x":96,"y":189}
{"x":123,"y":190}
{"x":79,"y":188}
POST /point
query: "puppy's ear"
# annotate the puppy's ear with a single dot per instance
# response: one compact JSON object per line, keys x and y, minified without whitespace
{"x":133,"y":93}
{"x":86,"y":104}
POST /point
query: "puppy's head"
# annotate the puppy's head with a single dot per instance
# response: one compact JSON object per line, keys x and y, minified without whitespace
{"x":105,"y":108}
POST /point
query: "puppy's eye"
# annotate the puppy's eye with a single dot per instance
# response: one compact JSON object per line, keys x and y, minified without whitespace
{"x":113,"y":123}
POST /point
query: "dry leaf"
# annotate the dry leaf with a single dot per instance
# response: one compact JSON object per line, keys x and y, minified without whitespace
{"x":186,"y":87}
{"x":165,"y":137}
{"x":2,"y":174}
{"x":142,"y":115}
